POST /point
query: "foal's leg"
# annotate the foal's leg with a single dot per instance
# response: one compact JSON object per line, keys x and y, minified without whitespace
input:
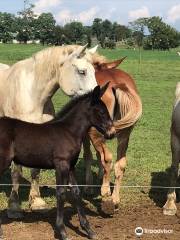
{"x":35,"y":200}
{"x":87,"y":156}
{"x":170,"y":207}
{"x":78,"y":202}
{"x":62,"y":178}
{"x":119,"y":167}
{"x":14,"y":208}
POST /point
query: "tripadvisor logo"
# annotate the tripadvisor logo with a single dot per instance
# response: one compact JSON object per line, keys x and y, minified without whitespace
{"x":139,"y":231}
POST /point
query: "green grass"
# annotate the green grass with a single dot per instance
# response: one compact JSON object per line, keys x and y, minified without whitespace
{"x":148,"y":154}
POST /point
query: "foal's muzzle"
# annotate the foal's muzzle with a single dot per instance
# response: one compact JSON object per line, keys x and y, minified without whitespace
{"x":110,"y":133}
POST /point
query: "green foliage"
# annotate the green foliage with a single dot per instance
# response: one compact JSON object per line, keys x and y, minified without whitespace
{"x":161,"y":35}
{"x":74,"y":31}
{"x":45,"y":28}
{"x":7,"y":27}
{"x":27,"y":26}
{"x":110,"y":44}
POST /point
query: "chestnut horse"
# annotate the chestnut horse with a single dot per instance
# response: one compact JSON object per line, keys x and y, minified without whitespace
{"x":125,"y":108}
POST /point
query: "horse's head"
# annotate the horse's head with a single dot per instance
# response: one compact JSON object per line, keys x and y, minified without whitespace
{"x":77,"y":73}
{"x":99,"y":115}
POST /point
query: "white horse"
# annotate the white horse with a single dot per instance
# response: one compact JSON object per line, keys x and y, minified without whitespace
{"x":26,"y":89}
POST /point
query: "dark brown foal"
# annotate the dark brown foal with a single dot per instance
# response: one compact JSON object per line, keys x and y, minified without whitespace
{"x":56,"y":145}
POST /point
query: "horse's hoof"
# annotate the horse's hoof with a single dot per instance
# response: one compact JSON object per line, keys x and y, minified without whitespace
{"x":1,"y":234}
{"x":105,"y":191}
{"x":15,"y":214}
{"x":38,"y":204}
{"x":169,"y":212}
{"x":107,"y":206}
{"x":92,"y":235}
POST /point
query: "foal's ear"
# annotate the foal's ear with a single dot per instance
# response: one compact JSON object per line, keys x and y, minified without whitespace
{"x":103,"y":89}
{"x":96,"y":95}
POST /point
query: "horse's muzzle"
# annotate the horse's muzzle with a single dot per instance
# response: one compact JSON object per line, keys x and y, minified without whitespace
{"x":110,"y":133}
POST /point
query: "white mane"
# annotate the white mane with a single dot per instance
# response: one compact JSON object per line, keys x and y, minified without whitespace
{"x":26,"y":85}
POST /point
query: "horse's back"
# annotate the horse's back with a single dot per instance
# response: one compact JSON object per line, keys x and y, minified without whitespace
{"x":116,"y":77}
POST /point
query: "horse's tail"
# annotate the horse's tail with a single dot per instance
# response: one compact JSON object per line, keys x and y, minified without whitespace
{"x":130,"y":106}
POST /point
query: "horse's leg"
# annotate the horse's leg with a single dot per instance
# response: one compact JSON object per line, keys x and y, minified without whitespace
{"x":107,"y":167}
{"x":62,"y":178}
{"x":105,"y":157}
{"x":14,"y":207}
{"x":35,"y":200}
{"x":77,"y":200}
{"x":170,"y":207}
{"x":119,"y":167}
{"x":87,"y":156}
{"x":5,"y":161}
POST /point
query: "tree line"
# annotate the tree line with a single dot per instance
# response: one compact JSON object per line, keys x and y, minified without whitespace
{"x":149,"y":33}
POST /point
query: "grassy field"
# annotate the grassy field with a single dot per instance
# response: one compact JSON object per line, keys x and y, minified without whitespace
{"x":148,"y":154}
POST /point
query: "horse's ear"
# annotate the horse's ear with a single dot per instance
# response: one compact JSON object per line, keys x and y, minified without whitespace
{"x":78,"y":52}
{"x":103,"y":89}
{"x":93,"y":50}
{"x":111,"y":65}
{"x":96,"y":95}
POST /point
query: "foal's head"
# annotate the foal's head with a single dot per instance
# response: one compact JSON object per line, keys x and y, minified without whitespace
{"x":99,"y":115}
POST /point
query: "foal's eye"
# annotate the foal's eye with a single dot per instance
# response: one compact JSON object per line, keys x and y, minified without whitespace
{"x":82,"y":71}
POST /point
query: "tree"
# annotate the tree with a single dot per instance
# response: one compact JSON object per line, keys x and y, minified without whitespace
{"x":120,"y":32}
{"x":45,"y":28}
{"x":88,"y":35}
{"x":74,"y":31}
{"x":59,"y":37}
{"x":25,"y":23}
{"x":138,"y":30}
{"x":162,"y":35}
{"x":97,"y":28}
{"x":7,"y":27}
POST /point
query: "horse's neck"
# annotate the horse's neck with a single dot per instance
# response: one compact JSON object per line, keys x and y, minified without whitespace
{"x":24,"y":94}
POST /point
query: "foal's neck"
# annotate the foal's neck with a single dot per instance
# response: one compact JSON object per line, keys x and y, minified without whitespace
{"x":77,"y":120}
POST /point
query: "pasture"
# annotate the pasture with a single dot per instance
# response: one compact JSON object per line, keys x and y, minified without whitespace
{"x":149,"y":156}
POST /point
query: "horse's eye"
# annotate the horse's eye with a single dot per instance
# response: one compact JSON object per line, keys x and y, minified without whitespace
{"x":82,"y":71}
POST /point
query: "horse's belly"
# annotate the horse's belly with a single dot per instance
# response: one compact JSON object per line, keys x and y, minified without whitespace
{"x":34,"y":151}
{"x":33,"y":160}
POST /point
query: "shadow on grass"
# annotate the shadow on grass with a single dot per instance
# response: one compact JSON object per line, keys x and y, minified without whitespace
{"x":159,"y":195}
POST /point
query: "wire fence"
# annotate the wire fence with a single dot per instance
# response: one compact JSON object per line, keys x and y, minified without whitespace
{"x":95,"y":186}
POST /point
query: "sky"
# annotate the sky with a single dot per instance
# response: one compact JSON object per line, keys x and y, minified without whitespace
{"x":121,"y":11}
